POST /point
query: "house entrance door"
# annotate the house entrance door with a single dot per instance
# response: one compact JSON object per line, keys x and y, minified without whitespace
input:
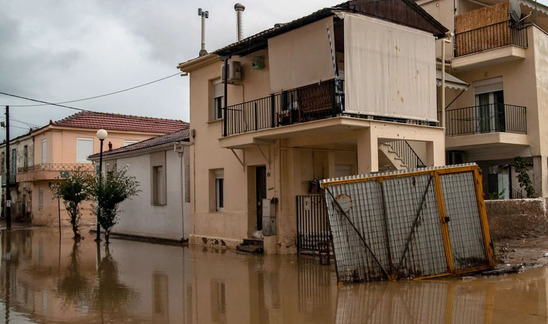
{"x":260,"y":188}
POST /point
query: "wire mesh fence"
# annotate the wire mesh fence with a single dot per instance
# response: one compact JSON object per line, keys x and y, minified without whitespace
{"x":413,"y":224}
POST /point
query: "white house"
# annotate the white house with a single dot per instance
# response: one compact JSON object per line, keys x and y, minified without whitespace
{"x":161,"y":165}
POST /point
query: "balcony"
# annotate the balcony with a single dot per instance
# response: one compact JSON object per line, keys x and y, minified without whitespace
{"x":503,"y":42}
{"x":51,"y":171}
{"x":311,"y":102}
{"x":486,"y":119}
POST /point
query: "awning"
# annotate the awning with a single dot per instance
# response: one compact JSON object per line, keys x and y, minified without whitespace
{"x":451,"y":81}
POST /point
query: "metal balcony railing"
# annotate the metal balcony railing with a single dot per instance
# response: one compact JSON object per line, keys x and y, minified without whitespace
{"x":69,"y":167}
{"x":489,"y":37}
{"x":311,"y":102}
{"x":486,"y":119}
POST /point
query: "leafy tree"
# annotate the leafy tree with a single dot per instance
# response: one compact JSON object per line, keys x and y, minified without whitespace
{"x":109,"y":193}
{"x":73,"y":190}
{"x":523,"y":176}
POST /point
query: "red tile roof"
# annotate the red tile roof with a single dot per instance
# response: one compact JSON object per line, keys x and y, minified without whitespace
{"x":110,"y":122}
{"x":178,"y":136}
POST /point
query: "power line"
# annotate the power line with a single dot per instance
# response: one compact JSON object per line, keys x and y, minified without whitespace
{"x":41,"y":101}
{"x":106,"y":94}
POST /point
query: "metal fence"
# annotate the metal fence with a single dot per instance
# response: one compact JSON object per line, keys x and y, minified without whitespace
{"x":486,"y":119}
{"x":415,"y":224}
{"x":311,"y":102}
{"x":312,"y":223}
{"x":489,"y":37}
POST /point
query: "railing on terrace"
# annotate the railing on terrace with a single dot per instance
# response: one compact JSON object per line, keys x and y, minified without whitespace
{"x":489,"y":37}
{"x":311,"y":102}
{"x":486,"y":119}
{"x":404,"y":151}
{"x":71,"y":167}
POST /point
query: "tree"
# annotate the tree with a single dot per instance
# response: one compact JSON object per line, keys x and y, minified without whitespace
{"x":73,"y":190}
{"x":523,"y":176}
{"x":109,"y":193}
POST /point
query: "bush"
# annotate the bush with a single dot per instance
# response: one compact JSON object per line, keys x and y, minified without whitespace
{"x":109,"y":193}
{"x":73,"y":190}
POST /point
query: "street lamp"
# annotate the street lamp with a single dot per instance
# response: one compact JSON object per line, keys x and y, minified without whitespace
{"x":101,"y":135}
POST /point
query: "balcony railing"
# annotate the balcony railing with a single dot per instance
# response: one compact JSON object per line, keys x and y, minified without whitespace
{"x":68,"y":167}
{"x":489,"y":37}
{"x":311,"y":102}
{"x":486,"y":119}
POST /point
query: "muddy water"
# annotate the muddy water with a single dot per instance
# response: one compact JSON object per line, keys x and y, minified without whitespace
{"x":47,"y":278}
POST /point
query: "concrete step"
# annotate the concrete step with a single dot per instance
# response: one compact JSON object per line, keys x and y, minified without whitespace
{"x":251,"y":245}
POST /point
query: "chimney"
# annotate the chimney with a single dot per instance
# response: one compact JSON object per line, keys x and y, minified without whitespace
{"x":204,"y":15}
{"x":239,"y":8}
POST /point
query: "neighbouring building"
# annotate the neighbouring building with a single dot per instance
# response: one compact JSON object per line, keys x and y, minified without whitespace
{"x":47,"y":154}
{"x":21,"y":156}
{"x":348,"y":89}
{"x":162,"y":166}
{"x":500,"y":48}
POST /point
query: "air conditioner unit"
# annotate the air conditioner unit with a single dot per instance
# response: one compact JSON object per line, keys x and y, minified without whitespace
{"x":234,"y":71}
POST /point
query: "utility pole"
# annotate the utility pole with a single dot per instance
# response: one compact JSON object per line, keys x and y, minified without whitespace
{"x":8,"y":192}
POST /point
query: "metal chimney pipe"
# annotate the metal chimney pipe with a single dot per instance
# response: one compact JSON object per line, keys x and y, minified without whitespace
{"x":239,"y":8}
{"x":204,"y":15}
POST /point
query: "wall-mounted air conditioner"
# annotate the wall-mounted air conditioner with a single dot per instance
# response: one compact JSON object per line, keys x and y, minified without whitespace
{"x":234,"y":71}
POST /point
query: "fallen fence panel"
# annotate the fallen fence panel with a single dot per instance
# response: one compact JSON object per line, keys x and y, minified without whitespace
{"x":415,"y":224}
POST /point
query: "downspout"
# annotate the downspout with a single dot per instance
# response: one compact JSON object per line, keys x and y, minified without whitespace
{"x":225,"y":99}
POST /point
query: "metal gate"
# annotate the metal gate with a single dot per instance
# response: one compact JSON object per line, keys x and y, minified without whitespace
{"x":312,"y":223}
{"x":415,"y":224}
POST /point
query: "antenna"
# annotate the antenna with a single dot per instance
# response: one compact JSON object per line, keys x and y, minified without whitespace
{"x":514,"y":11}
{"x":204,"y":15}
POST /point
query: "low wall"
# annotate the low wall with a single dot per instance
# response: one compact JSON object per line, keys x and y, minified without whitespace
{"x":517,"y":218}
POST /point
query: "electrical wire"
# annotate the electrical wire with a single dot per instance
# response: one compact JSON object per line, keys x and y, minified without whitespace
{"x":158,"y":122}
{"x":106,"y":94}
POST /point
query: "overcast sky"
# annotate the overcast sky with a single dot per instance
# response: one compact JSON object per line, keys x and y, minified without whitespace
{"x":61,"y":50}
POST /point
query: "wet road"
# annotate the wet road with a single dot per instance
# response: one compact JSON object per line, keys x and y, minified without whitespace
{"x":45,"y":278}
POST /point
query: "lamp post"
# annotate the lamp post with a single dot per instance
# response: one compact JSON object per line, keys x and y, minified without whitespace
{"x":101,"y":135}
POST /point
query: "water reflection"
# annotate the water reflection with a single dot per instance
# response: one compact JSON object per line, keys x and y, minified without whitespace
{"x":47,"y":279}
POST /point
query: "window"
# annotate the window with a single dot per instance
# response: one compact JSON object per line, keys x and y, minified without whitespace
{"x":13,"y":164}
{"x":158,"y":178}
{"x":218,"y":99}
{"x":158,"y":185}
{"x":25,"y":156}
{"x":489,"y":100}
{"x":219,"y":190}
{"x":40,"y":199}
{"x":84,"y":148}
{"x":44,"y":151}
{"x":126,"y":143}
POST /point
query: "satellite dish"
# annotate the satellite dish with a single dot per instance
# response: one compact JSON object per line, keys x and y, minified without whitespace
{"x":514,"y":11}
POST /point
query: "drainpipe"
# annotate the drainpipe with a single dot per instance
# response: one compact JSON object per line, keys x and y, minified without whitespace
{"x":443,"y":42}
{"x":225,"y":101}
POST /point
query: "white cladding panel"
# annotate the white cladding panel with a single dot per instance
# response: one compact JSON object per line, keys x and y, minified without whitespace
{"x":390,"y":70}
{"x":301,"y":56}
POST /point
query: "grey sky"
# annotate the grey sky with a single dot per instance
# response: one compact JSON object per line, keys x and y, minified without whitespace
{"x":60,"y":50}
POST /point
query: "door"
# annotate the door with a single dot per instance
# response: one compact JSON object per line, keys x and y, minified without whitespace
{"x":260,"y":189}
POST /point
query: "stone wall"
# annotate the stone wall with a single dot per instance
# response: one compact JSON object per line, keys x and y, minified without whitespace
{"x":517,"y":218}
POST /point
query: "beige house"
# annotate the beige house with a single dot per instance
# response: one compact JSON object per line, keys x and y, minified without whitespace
{"x":161,"y":166}
{"x":53,"y":151}
{"x":348,"y":89}
{"x":500,"y":48}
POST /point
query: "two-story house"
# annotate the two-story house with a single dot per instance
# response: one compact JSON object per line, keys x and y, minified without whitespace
{"x":21,"y":156}
{"x":345,"y":90}
{"x":63,"y":146}
{"x":500,"y":48}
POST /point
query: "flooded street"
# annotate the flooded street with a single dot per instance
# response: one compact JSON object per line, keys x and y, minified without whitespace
{"x":47,"y":278}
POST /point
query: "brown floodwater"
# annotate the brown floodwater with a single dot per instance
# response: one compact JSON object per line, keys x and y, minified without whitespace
{"x":48,"y":278}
